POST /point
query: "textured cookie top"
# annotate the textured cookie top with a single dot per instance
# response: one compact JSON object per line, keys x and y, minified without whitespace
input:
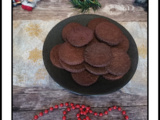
{"x":80,"y":36}
{"x":84,"y":78}
{"x":70,"y":54}
{"x":98,"y":54}
{"x":109,"y":33}
{"x":54,"y":57}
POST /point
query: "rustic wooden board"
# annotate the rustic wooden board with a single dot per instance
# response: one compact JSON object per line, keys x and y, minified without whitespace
{"x":119,"y":10}
{"x":134,"y":113}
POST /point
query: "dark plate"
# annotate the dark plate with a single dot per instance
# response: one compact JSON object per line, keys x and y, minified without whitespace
{"x":63,"y":78}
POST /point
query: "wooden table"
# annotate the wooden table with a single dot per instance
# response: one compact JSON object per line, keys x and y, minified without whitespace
{"x":34,"y":90}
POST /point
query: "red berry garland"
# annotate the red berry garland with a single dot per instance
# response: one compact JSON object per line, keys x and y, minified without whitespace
{"x":83,"y":111}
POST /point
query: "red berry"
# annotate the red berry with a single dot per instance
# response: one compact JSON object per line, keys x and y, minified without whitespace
{"x":100,"y":114}
{"x":119,"y":108}
{"x":88,"y":108}
{"x":106,"y":112}
{"x":64,"y":112}
{"x":51,"y":108}
{"x":66,"y":104}
{"x":114,"y":107}
{"x":78,"y":115}
{"x":109,"y":109}
{"x":84,"y":113}
{"x":84,"y":119}
{"x":123,"y":112}
{"x":36,"y":117}
{"x":126,"y":117}
{"x":41,"y":114}
{"x":77,"y":106}
{"x":83,"y":106}
{"x":87,"y":118}
{"x":73,"y":107}
{"x":79,"y":119}
{"x":56,"y":106}
{"x":45,"y":111}
{"x":61,"y":105}
{"x":68,"y":109}
{"x":90,"y":111}
{"x":95,"y":113}
{"x":64,"y":118}
{"x":71,"y":104}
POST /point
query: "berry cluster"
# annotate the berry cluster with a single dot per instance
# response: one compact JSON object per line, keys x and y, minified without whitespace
{"x":83,"y":111}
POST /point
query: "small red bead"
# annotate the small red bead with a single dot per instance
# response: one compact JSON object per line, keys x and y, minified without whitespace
{"x":90,"y":111}
{"x":51,"y":108}
{"x":123,"y":112}
{"x":109,"y":109}
{"x":95,"y":113}
{"x":88,"y":108}
{"x":41,"y":114}
{"x":78,"y":115}
{"x":83,"y":106}
{"x":66,"y":104}
{"x":68,"y":109}
{"x":81,"y":112}
{"x":87,"y":118}
{"x":73,"y":107}
{"x":36,"y":117}
{"x":61,"y":105}
{"x":84,"y":113}
{"x":46,"y":111}
{"x":81,"y":109}
{"x":100,"y":114}
{"x":84,"y":119}
{"x":106,"y":112}
{"x":119,"y":108}
{"x":64,"y":118}
{"x":71,"y":104}
{"x":64,"y":112}
{"x":126,"y":117}
{"x":77,"y":106}
{"x":79,"y":119}
{"x":56,"y":106}
{"x":114,"y":107}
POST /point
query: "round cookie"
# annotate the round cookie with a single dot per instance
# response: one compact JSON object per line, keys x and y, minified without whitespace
{"x":84,"y":78}
{"x":80,"y":36}
{"x":124,"y":45}
{"x":73,"y":68}
{"x":68,"y":28}
{"x":120,"y":63}
{"x":70,"y":54}
{"x":112,"y":77}
{"x":54,"y":57}
{"x":97,"y":54}
{"x":94,"y":22}
{"x":96,"y":70}
{"x":109,"y":33}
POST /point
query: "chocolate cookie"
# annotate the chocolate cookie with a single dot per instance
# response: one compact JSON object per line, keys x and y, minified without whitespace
{"x":109,"y":33}
{"x":70,"y":54}
{"x":109,"y":76}
{"x":96,"y":70}
{"x":73,"y":68}
{"x":80,"y":36}
{"x":94,"y":22}
{"x":84,"y":78}
{"x":120,"y":63}
{"x":54,"y":57}
{"x":97,"y":54}
{"x":68,"y":28}
{"x":124,"y":45}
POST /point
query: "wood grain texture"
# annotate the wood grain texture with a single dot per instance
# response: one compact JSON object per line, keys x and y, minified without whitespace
{"x":119,"y":10}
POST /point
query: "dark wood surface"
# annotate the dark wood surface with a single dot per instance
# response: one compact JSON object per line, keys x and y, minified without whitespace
{"x":28,"y":101}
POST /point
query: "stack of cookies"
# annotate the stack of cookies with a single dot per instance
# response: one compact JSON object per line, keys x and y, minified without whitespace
{"x":100,"y":48}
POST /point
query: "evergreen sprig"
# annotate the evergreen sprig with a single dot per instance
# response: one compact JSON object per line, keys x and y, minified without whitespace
{"x":84,"y":5}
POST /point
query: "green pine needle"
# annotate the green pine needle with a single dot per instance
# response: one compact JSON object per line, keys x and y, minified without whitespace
{"x":84,"y":5}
